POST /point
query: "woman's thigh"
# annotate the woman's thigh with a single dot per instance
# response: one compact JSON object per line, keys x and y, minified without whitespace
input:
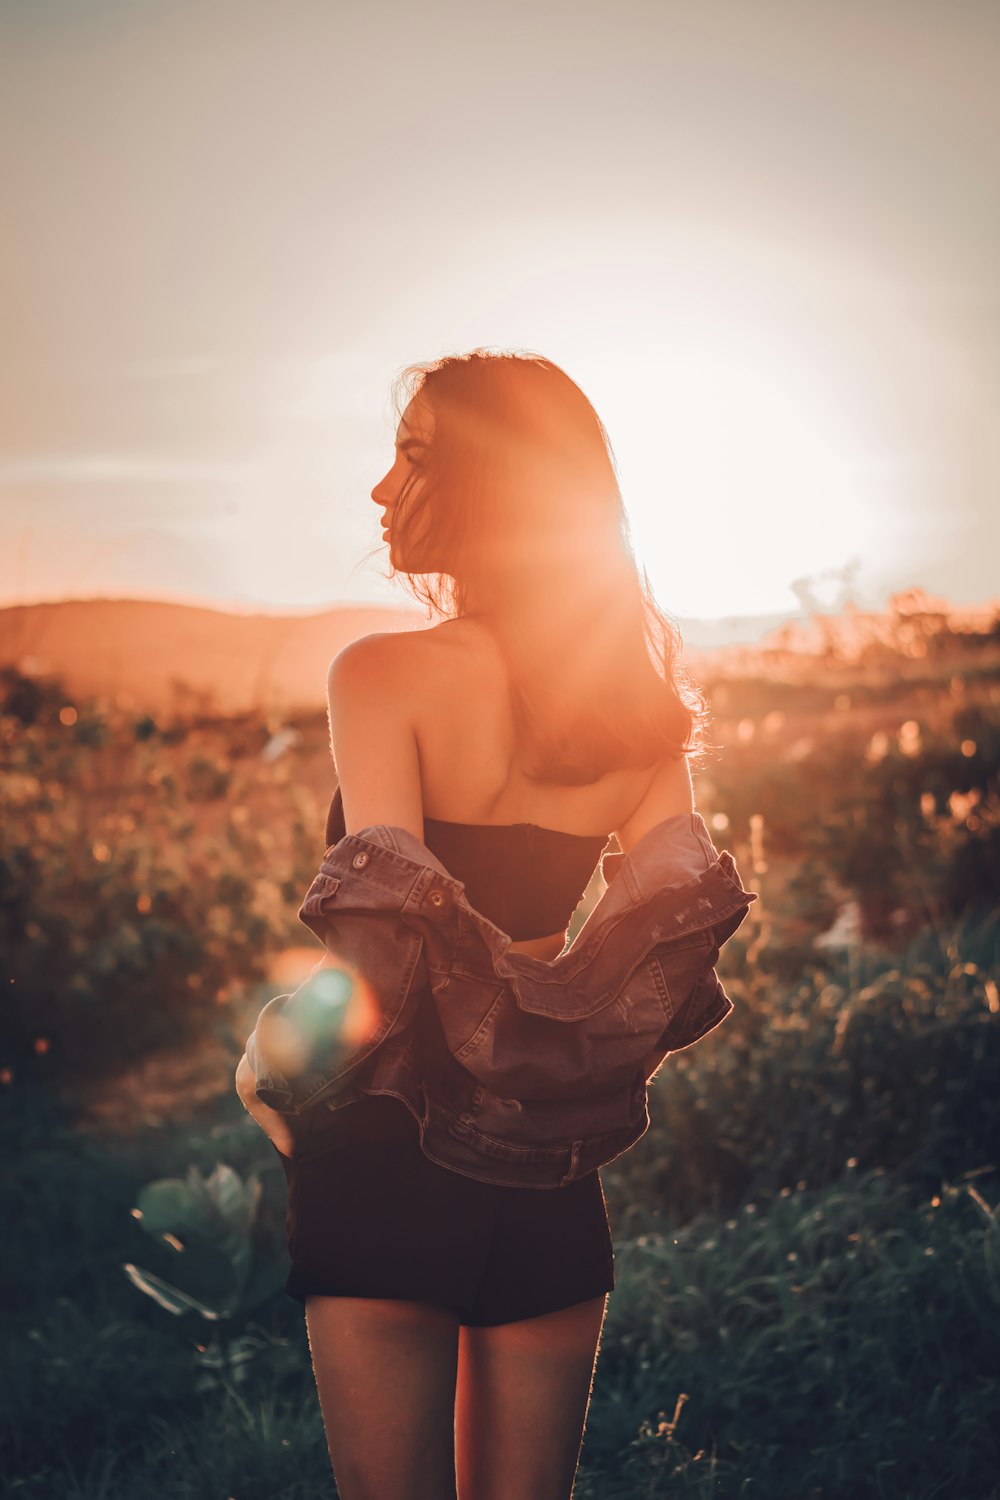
{"x":385,"y":1372}
{"x":522,"y":1397}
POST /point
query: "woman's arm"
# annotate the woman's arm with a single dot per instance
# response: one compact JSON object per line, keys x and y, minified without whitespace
{"x":370,"y":687}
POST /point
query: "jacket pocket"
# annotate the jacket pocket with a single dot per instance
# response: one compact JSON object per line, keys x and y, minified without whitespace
{"x":523,"y":1055}
{"x":467,"y":1009}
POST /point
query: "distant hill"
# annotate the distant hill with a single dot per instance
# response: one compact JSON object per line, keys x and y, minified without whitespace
{"x":152,"y":654}
{"x":157,"y":654}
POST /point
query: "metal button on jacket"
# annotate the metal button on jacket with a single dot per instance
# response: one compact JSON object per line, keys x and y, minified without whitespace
{"x":360,"y":860}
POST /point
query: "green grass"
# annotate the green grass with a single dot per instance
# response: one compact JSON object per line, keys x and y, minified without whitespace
{"x":821,"y":1343}
{"x":807,"y":1258}
{"x":820,"y":1339}
{"x":829,"y":1343}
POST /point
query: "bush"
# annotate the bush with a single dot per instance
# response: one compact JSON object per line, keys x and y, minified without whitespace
{"x":126,"y":920}
{"x":865,"y":1063}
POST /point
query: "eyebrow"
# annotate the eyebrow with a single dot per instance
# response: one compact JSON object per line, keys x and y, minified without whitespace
{"x":411,"y":443}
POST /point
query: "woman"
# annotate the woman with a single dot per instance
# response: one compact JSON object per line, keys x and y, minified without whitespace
{"x":454,"y":1324}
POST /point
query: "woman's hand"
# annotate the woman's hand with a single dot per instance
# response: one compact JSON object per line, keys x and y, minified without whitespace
{"x":274,"y":1125}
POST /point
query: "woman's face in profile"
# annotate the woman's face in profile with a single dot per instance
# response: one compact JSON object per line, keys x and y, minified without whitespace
{"x":412,"y":442}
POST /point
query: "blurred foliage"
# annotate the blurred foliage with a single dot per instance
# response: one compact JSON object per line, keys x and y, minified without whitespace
{"x":138,"y":891}
{"x":208,"y":1221}
{"x":864,"y":1063}
{"x":807,"y":1240}
{"x":899,"y":810}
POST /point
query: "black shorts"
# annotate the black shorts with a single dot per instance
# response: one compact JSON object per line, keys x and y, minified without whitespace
{"x":370,"y":1216}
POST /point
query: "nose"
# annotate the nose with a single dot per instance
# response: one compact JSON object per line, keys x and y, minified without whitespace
{"x":380,"y":492}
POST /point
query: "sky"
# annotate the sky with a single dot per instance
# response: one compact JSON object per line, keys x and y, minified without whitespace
{"x":763,"y":236}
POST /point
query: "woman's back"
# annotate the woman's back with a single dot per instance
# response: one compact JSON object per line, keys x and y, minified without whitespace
{"x":525,"y":851}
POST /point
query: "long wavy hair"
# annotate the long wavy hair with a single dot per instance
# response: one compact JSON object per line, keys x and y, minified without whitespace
{"x":519,"y":503}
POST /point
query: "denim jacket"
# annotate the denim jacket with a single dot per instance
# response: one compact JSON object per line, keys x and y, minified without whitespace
{"x":520,"y":1071}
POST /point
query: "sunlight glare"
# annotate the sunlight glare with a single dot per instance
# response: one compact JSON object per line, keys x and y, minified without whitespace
{"x":737,"y":481}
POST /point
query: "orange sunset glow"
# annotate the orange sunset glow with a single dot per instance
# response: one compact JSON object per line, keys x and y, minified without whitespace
{"x":750,"y":243}
{"x":500,"y":749}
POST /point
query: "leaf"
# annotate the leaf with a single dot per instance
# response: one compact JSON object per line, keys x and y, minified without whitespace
{"x":170,"y":1297}
{"x":171,"y":1206}
{"x":217,"y":1211}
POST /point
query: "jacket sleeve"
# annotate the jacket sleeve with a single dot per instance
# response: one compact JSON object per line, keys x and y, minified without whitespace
{"x":311,"y":1044}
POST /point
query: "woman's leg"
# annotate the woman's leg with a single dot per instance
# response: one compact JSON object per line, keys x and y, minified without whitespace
{"x":521,"y":1403}
{"x":385,"y":1372}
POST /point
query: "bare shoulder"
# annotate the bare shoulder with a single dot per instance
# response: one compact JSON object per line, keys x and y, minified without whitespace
{"x":374,"y":658}
{"x":405,"y":667}
{"x":442,"y":648}
{"x":669,"y":792}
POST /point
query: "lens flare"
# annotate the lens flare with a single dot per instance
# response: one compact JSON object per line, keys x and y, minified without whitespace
{"x":334,"y":1011}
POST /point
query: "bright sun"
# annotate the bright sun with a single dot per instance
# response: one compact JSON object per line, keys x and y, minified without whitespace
{"x":737,"y":480}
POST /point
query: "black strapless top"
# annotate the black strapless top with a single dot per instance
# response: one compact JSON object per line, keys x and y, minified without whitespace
{"x":525,"y":878}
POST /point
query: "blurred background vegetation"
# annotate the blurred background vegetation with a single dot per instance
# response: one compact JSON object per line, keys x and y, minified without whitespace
{"x":807,"y":1237}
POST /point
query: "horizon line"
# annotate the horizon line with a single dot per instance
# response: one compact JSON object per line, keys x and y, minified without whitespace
{"x":268,"y":609}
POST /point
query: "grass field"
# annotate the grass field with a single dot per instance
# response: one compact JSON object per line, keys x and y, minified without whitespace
{"x":807,"y":1238}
